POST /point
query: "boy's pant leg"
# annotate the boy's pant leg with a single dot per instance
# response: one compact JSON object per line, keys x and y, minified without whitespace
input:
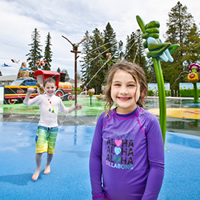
{"x":41,"y":140}
{"x":52,"y":139}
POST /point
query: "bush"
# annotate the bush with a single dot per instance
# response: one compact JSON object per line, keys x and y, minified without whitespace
{"x":79,"y":90}
{"x":155,"y":93}
{"x":188,"y":93}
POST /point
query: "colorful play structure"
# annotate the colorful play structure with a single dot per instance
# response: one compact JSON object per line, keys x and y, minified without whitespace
{"x":16,"y":92}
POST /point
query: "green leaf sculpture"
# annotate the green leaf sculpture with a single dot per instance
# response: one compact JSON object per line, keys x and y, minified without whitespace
{"x":157,"y":50}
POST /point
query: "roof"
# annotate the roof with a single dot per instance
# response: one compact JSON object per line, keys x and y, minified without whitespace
{"x":25,"y":78}
{"x":72,"y":80}
{"x":8,"y":78}
{"x":46,"y":72}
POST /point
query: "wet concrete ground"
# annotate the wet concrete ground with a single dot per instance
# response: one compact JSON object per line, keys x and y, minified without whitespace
{"x":89,"y":114}
{"x":187,"y":126}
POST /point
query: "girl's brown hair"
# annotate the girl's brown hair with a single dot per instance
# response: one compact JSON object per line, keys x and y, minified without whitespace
{"x":138,"y":75}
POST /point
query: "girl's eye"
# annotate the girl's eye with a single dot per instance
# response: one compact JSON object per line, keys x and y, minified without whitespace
{"x":131,"y":85}
{"x":116,"y":84}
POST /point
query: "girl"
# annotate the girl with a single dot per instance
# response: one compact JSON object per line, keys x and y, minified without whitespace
{"x":48,"y":127}
{"x":127,"y":153}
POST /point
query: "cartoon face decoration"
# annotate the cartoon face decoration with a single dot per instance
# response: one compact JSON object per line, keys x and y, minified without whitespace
{"x":193,"y":76}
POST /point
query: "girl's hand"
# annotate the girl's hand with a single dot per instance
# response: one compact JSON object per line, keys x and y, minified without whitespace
{"x":31,"y":90}
{"x":78,"y":106}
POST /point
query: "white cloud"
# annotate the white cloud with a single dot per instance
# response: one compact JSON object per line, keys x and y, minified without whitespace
{"x":72,"y":19}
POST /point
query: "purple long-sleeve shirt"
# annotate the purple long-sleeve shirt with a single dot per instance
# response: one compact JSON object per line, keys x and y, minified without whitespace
{"x":127,"y":157}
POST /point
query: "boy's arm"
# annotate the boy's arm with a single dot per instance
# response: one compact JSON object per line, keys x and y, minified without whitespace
{"x":27,"y":97}
{"x":29,"y":91}
{"x":77,"y":107}
{"x":65,"y":110}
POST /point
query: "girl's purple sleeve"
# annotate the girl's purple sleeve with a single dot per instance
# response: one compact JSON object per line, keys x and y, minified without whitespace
{"x":156,"y":160}
{"x":95,"y":162}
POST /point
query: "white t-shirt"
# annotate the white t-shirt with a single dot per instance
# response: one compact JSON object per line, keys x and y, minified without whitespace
{"x":49,"y":107}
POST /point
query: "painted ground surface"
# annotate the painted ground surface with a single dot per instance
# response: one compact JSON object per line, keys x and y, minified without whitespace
{"x":69,"y":177}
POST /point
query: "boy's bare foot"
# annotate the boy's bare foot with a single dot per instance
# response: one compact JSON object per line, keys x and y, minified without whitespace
{"x":47,"y":169}
{"x":36,"y":174}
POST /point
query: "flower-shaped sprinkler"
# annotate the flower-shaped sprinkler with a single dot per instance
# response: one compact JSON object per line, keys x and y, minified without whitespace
{"x":194,"y":78}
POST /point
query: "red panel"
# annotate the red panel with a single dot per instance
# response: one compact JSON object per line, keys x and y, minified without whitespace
{"x":46,"y":73}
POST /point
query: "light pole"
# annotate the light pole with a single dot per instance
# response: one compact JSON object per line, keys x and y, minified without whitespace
{"x":75,"y":51}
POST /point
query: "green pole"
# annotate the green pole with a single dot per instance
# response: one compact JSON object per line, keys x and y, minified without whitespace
{"x":162,"y":98}
{"x":196,"y":96}
{"x":90,"y":100}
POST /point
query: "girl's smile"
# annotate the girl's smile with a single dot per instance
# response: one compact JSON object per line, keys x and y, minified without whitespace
{"x":124,"y":98}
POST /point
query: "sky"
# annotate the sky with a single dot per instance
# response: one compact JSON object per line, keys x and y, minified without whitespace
{"x":72,"y":18}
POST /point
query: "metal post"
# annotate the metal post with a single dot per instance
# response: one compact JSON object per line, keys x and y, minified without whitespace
{"x":75,"y":51}
{"x":75,"y":77}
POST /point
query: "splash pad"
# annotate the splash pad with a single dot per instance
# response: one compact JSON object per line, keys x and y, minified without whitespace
{"x":178,"y":110}
{"x":69,"y":178}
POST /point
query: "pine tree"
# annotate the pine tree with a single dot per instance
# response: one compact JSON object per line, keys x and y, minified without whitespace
{"x":48,"y":53}
{"x":134,"y":51}
{"x":86,"y":59}
{"x":181,"y":30}
{"x":140,"y":53}
{"x":191,"y":47}
{"x":150,"y":72}
{"x":58,"y":70}
{"x":120,"y":53}
{"x":35,"y":51}
{"x":93,"y":60}
{"x":110,"y":41}
{"x":96,"y":60}
{"x":131,"y":48}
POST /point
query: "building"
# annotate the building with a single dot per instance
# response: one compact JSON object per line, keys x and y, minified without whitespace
{"x":7,"y":80}
{"x":79,"y":82}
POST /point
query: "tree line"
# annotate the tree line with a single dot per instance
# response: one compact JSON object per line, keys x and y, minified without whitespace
{"x":181,"y":29}
{"x":101,"y":50}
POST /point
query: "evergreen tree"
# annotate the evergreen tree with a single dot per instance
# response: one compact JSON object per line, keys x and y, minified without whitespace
{"x":110,"y":40}
{"x":78,"y":76}
{"x":140,"y":53}
{"x":58,"y":70}
{"x":48,"y":53}
{"x":181,"y":30}
{"x":191,"y":47}
{"x":150,"y":72}
{"x":134,"y":51}
{"x":93,"y":60}
{"x":35,"y":51}
{"x":131,"y":48}
{"x":86,"y":58}
{"x":100,"y":52}
{"x":120,"y":53}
